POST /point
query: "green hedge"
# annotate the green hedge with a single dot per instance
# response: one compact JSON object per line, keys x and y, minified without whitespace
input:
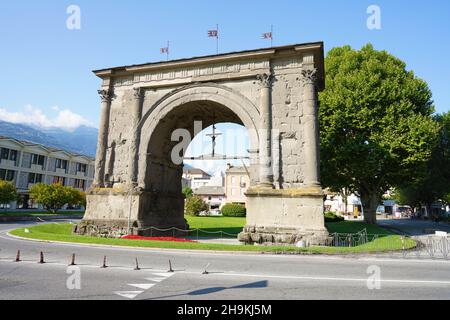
{"x":233,"y":210}
{"x":332,"y":217}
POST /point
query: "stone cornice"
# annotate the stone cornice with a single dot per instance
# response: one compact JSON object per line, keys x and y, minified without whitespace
{"x":285,"y":193}
{"x":226,"y":57}
{"x":200,"y":61}
{"x":234,"y":65}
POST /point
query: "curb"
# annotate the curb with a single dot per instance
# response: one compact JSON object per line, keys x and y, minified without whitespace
{"x":94,"y":245}
{"x":8,"y":219}
{"x":199,"y":251}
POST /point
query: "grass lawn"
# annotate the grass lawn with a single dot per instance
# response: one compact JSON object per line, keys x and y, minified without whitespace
{"x":39,"y":213}
{"x":230,"y":225}
{"x":63,"y":232}
{"x":355,"y":227}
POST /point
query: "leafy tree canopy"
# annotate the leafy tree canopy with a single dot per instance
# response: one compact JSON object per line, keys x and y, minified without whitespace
{"x":376,"y":124}
{"x":433,"y":183}
{"x":53,"y":197}
{"x":7,"y":192}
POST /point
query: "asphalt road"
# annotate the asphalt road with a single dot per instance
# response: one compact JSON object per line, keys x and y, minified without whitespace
{"x":414,"y":227}
{"x":231,"y":276}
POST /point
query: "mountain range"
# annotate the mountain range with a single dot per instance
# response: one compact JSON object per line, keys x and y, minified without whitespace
{"x":82,"y":140}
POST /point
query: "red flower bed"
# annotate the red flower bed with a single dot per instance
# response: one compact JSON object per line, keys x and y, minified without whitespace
{"x":171,"y":239}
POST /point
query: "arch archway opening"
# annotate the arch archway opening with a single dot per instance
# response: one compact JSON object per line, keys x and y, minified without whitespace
{"x":163,"y":201}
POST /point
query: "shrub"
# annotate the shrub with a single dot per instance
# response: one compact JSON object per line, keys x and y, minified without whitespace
{"x":332,"y":217}
{"x":53,"y":197}
{"x":233,"y":210}
{"x":195,"y":205}
{"x":7,"y":192}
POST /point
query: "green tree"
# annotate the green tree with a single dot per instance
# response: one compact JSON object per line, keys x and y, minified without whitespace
{"x":195,"y":205}
{"x":432,"y":183}
{"x":375,"y":124}
{"x":8,"y":192}
{"x":53,"y":197}
{"x":188,"y":192}
{"x":75,"y":197}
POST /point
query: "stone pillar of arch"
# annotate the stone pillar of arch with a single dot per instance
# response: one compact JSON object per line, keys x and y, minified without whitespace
{"x":102,"y":142}
{"x":265,"y":131}
{"x":136,"y":113}
{"x":311,"y":127}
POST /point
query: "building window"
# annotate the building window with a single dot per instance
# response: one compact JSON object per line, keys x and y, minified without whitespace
{"x":233,"y":180}
{"x":8,"y":154}
{"x":37,"y":159}
{"x":4,"y":154}
{"x":61,"y":164}
{"x":81,"y":167}
{"x":59,"y":180}
{"x":34,"y":178}
{"x":7,"y":175}
{"x":13,"y":155}
{"x":79,"y":183}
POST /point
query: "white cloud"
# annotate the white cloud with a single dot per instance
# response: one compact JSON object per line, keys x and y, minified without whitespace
{"x":63,"y":118}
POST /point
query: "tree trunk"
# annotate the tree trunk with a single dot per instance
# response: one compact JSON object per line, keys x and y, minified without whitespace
{"x":370,"y":202}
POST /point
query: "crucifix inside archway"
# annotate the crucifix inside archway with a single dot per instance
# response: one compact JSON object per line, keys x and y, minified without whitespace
{"x":213,"y":136}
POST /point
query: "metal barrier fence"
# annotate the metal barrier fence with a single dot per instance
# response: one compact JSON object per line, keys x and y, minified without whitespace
{"x":425,"y":247}
{"x":196,"y":233}
{"x":349,"y":239}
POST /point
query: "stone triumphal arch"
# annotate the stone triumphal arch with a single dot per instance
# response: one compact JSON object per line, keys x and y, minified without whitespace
{"x":272,"y":92}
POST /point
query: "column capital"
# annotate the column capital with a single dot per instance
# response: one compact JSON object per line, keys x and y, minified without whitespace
{"x":265,"y":79}
{"x":138,"y":93}
{"x":309,"y":76}
{"x":105,"y":95}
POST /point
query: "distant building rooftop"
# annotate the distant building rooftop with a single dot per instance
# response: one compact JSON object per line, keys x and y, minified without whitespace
{"x":210,"y":191}
{"x":25,"y":143}
{"x":195,"y":171}
{"x":231,"y":169}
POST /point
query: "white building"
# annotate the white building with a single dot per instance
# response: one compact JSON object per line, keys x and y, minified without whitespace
{"x":25,"y":164}
{"x":237,"y":181}
{"x":213,"y":196}
{"x":197,"y":178}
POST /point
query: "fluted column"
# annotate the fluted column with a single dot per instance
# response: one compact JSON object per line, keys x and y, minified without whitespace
{"x":265,"y":127}
{"x":102,"y":143}
{"x":311,"y":128}
{"x":136,"y":113}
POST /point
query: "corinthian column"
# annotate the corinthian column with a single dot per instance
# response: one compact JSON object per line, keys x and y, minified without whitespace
{"x":265,"y":127}
{"x":102,"y":143}
{"x":310,"y":128}
{"x":136,"y":113}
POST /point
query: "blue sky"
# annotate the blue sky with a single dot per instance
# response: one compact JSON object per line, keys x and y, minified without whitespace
{"x":46,"y":68}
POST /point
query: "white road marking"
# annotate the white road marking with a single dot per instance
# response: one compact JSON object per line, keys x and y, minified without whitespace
{"x":144,"y":286}
{"x":164,"y":275}
{"x":334,"y":278}
{"x":155,"y":279}
{"x":128,"y":294}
